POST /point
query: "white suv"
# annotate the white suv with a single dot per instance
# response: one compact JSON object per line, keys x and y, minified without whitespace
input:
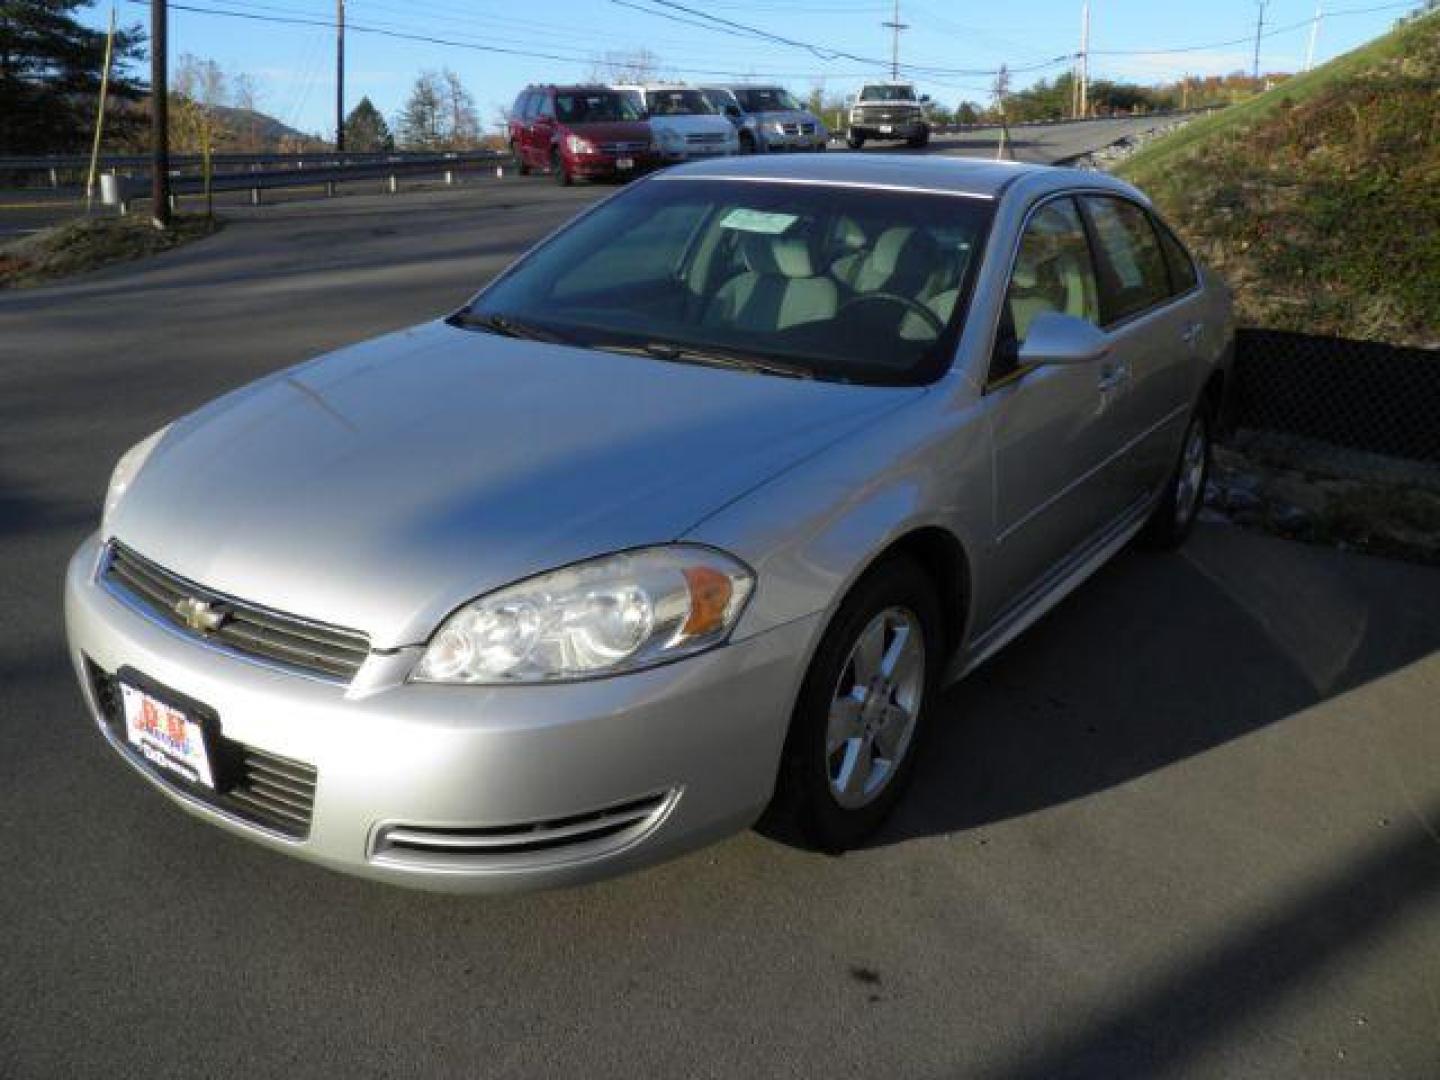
{"x":888,"y":110}
{"x":684,"y":123}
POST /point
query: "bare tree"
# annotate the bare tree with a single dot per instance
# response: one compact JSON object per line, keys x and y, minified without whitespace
{"x":629,"y":66}
{"x":462,"y":122}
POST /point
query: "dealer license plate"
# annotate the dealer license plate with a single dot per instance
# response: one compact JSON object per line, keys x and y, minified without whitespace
{"x":168,"y":739}
{"x":624,"y":163}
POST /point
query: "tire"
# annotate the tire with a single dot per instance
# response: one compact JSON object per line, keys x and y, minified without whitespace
{"x":812,"y":797}
{"x":557,"y":167}
{"x":520,"y":166}
{"x":855,"y":142}
{"x":1174,"y":515}
{"x":919,"y":142}
{"x":747,"y":143}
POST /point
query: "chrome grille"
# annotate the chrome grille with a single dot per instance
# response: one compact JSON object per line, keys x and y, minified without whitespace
{"x":245,"y":628}
{"x":264,"y":789}
{"x":531,"y":843}
{"x":624,"y":147}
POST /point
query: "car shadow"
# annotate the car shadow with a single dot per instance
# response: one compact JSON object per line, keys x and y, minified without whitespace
{"x":1156,"y":659}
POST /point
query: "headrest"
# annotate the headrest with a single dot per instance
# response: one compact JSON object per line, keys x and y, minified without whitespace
{"x":784,"y":256}
{"x":902,"y":261}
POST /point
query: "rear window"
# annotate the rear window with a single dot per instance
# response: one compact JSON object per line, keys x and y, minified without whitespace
{"x":1133,"y":274}
{"x":1183,"y":276}
{"x":845,"y":284}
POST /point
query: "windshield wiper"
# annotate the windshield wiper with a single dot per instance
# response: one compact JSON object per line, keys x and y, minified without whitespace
{"x":689,"y":354}
{"x":508,"y":327}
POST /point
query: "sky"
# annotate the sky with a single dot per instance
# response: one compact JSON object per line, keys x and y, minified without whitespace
{"x":950,"y":44}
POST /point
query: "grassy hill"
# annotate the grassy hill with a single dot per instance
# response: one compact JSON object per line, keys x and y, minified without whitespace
{"x":1320,"y":200}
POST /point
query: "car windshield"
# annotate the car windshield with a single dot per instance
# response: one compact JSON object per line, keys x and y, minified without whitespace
{"x":766,"y":99}
{"x":826,"y":281}
{"x":678,"y":103}
{"x":888,"y":93}
{"x":595,"y":106}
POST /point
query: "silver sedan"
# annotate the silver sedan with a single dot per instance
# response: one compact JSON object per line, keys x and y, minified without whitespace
{"x":683,"y":520}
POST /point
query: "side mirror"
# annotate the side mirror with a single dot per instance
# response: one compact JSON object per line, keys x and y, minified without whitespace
{"x":925,"y":99}
{"x":1054,"y":338}
{"x":733,"y":111}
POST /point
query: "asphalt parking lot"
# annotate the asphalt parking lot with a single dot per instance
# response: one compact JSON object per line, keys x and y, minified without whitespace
{"x":1189,"y":825}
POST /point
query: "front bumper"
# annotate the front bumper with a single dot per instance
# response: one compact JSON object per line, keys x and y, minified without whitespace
{"x":780,"y":143}
{"x":694,"y":744}
{"x":605,"y":166}
{"x":887,"y":129}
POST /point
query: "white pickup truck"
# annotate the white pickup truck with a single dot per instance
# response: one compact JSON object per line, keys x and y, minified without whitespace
{"x":888,"y":110}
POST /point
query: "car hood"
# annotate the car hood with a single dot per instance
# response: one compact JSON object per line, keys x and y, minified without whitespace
{"x":380,"y":486}
{"x":693,"y":125}
{"x":613,"y":130}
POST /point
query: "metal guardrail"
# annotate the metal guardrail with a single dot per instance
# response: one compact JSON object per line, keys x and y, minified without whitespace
{"x":58,"y":168}
{"x":120,"y":191}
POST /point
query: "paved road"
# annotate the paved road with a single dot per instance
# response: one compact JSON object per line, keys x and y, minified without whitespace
{"x":26,"y":211}
{"x":1189,"y":825}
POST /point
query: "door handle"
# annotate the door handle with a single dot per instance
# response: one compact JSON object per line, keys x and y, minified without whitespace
{"x":1112,"y":375}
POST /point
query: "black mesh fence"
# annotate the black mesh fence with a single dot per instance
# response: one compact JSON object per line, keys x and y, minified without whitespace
{"x":1356,"y":394}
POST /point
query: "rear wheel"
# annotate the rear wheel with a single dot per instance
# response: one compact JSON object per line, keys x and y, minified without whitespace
{"x":747,"y":143}
{"x":557,"y":167}
{"x":1174,"y":515}
{"x":861,"y":712}
{"x":855,"y":142}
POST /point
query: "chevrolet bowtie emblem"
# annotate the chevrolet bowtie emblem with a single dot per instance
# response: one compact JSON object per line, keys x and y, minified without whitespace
{"x":201,"y":615}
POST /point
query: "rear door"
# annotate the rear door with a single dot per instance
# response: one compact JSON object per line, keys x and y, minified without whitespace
{"x":1151,"y":309}
{"x":1057,"y":437}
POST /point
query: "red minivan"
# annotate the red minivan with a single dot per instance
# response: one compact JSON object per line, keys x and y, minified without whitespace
{"x":580,"y":132}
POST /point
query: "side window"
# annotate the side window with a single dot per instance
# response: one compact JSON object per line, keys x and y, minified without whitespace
{"x":542,"y":107}
{"x":1133,"y":276}
{"x":1183,"y":277}
{"x":1053,"y":272}
{"x":517,"y":111}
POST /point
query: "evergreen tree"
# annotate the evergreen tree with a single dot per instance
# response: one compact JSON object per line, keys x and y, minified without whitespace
{"x":50,"y":77}
{"x":366,"y":130}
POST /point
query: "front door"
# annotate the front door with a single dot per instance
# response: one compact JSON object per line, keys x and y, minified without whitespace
{"x":1057,"y":431}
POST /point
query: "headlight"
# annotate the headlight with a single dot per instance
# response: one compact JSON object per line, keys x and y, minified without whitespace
{"x":578,"y":145}
{"x":126,"y":470}
{"x":617,"y":613}
{"x":778,"y":128}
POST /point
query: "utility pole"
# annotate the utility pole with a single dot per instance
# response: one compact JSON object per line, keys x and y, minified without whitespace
{"x":1314,"y":35}
{"x":159,"y":117}
{"x":895,"y":26}
{"x":1259,"y":32}
{"x":1084,"y":88}
{"x":339,"y":76}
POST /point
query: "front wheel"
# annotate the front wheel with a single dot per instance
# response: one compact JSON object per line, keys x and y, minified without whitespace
{"x":521,"y":167}
{"x":861,"y":712}
{"x":747,"y":143}
{"x":1174,"y":515}
{"x":855,"y":142}
{"x":557,"y":167}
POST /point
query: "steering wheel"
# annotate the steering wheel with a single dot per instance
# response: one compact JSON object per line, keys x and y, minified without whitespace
{"x":927,"y":316}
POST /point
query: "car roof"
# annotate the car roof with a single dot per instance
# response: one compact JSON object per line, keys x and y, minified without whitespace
{"x":940,"y":173}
